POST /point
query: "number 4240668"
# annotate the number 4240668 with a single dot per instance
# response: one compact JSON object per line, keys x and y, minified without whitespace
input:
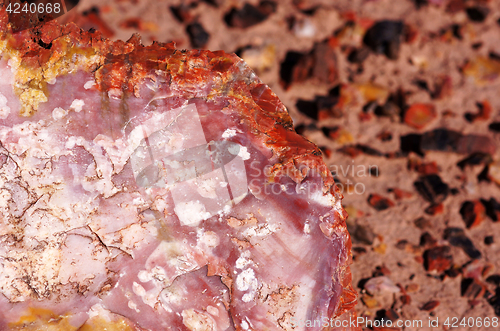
{"x":455,"y":322}
{"x":34,"y":8}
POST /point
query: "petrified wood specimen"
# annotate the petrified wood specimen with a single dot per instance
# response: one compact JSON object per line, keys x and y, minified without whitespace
{"x":148,"y":188}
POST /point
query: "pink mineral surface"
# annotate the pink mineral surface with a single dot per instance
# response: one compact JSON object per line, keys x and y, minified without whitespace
{"x":149,"y":188}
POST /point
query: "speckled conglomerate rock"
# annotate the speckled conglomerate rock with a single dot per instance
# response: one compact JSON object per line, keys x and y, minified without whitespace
{"x":148,"y":188}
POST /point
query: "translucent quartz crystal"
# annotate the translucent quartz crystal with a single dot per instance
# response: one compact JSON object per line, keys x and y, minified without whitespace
{"x":148,"y":188}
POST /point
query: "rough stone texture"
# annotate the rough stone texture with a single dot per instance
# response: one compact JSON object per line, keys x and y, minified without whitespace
{"x":123,"y":197}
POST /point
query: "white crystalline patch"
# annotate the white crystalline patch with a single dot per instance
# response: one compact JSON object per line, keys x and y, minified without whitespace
{"x":154,"y":122}
{"x":138,"y":201}
{"x":191,"y":213}
{"x":173,"y":295}
{"x":4,"y":109}
{"x":138,"y":289}
{"x":13,"y":63}
{"x":58,"y":113}
{"x":261,"y":230}
{"x":227,"y":209}
{"x":175,"y":256}
{"x":209,"y":239}
{"x":243,"y":260}
{"x":239,"y":150}
{"x":115,"y":93}
{"x":243,"y":153}
{"x":156,"y":287}
{"x":206,"y":187}
{"x":327,"y":200}
{"x":98,"y":174}
{"x":229,"y":133}
{"x":88,"y":85}
{"x":144,"y":276}
{"x":133,"y":305}
{"x":148,"y":297}
{"x":160,"y":204}
{"x":159,"y":273}
{"x":77,"y":105}
{"x":97,"y":310}
{"x":197,"y":321}
{"x":247,"y":297}
{"x":246,"y":281}
{"x":307,"y":228}
{"x":73,"y":141}
{"x":157,"y":291}
{"x":133,"y":236}
{"x":52,"y":81}
{"x":117,"y":150}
